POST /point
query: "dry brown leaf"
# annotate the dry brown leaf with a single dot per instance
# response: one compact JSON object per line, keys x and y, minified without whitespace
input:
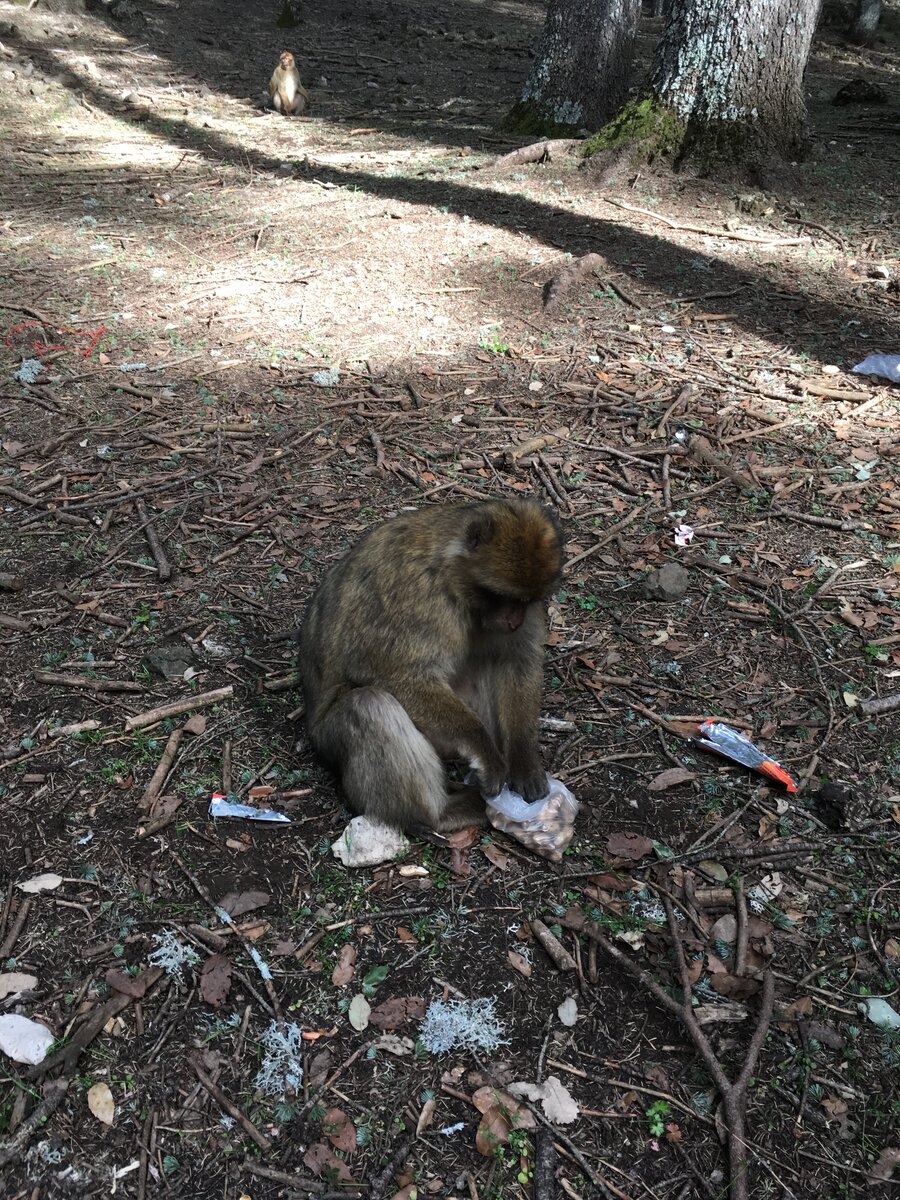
{"x":463,"y":839}
{"x":346,"y":963}
{"x":459,"y":863}
{"x":426,"y":1116}
{"x":883,"y":1168}
{"x":671,"y":778}
{"x":391,"y":1014}
{"x":128,"y":985}
{"x":493,"y":1132}
{"x":320,"y":1157}
{"x":735,"y":987}
{"x":519,"y":963}
{"x":339,"y":1130}
{"x":405,"y":935}
{"x":101,"y":1103}
{"x":628,"y":845}
{"x":496,"y":856}
{"x":215,"y":980}
{"x":799,"y":1008}
{"x":238,"y":903}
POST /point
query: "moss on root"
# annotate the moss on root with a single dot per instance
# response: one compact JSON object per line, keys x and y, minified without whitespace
{"x":649,"y":131}
{"x":528,"y":117}
{"x":644,"y":126}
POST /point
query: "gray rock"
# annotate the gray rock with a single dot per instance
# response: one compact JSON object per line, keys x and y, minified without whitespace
{"x":667,"y":583}
{"x":169,"y":661}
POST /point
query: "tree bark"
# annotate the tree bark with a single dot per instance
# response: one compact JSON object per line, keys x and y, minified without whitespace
{"x":732,"y":75}
{"x":864,"y":25}
{"x":581,"y":67}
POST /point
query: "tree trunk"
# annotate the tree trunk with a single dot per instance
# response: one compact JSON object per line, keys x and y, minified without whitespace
{"x":732,"y":75}
{"x":581,"y":67}
{"x":864,"y":25}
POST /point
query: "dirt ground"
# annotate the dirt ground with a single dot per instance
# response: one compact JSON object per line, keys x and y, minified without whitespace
{"x":235,"y":341}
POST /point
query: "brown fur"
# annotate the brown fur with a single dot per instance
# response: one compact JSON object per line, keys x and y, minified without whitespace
{"x":287,"y":93}
{"x":426,"y":644}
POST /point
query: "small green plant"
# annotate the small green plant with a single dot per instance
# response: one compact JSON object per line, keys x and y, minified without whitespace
{"x":656,"y":1116}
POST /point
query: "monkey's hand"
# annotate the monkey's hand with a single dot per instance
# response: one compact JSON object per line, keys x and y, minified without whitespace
{"x":491,"y":777}
{"x":529,"y":779}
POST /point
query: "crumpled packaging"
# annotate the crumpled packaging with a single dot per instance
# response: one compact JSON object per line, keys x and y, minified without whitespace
{"x":546,"y":826}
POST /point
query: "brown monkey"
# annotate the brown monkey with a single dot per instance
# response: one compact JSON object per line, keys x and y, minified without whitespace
{"x":426,"y":644}
{"x":287,"y":93}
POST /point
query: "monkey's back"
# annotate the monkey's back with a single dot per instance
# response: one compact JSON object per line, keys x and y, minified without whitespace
{"x":385,"y":605}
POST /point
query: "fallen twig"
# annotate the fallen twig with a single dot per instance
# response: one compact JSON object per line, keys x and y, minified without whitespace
{"x":564,"y":280}
{"x":553,"y":946}
{"x":537,"y":152}
{"x":163,"y":567}
{"x":734,"y":1094}
{"x":177,"y":707}
{"x":13,"y":1148}
{"x":232,"y":1109}
{"x":91,"y":685}
{"x":68,"y":1056}
{"x":879,"y":705}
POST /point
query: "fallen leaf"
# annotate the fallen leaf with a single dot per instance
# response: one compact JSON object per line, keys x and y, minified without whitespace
{"x":714,"y":870}
{"x":405,"y":935}
{"x":671,"y":778}
{"x":883,"y":1168}
{"x":799,"y":1008}
{"x":463,"y":839}
{"x":496,"y":856}
{"x":628,"y":845}
{"x":128,"y":985}
{"x":459,"y":863}
{"x":101,"y":1103}
{"x":195,"y":724}
{"x":724,"y":929}
{"x":487,"y":1098}
{"x":555,"y":1099}
{"x":343,"y":971}
{"x":320,"y":1158}
{"x":358,"y":1012}
{"x":339,"y":1130}
{"x":393,"y":1044}
{"x":41,"y":883}
{"x":215,"y":980}
{"x":492,"y":1133}
{"x":13,"y":982}
{"x":238,"y":903}
{"x":24,"y":1040}
{"x":426,"y":1116}
{"x":520,"y":963}
{"x":568,"y":1011}
{"x":735,"y":987}
{"x":391,"y":1014}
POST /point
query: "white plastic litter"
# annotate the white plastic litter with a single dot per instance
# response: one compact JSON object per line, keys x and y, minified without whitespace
{"x":24,"y":1040}
{"x":684,"y":535}
{"x":885,"y":365}
{"x":366,"y":843}
{"x":545,"y":826}
{"x":220,"y":807}
{"x":880,"y":1013}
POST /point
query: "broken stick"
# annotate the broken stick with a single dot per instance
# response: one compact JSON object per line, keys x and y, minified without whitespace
{"x":91,"y":685}
{"x":163,"y":567}
{"x":177,"y":707}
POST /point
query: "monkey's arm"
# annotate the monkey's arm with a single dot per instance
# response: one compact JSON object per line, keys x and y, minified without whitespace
{"x":452,"y":728}
{"x":517,"y":685}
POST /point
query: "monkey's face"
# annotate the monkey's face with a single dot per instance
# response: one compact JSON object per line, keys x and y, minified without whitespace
{"x":500,"y":614}
{"x":286,"y":61}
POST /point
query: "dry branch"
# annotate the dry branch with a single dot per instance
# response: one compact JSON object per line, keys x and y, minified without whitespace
{"x":537,"y":152}
{"x":91,"y":685}
{"x":881,"y":704}
{"x":163,"y":567}
{"x":556,"y":288}
{"x":177,"y":707}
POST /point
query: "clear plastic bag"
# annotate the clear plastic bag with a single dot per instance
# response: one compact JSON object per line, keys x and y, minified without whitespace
{"x":545,"y":826}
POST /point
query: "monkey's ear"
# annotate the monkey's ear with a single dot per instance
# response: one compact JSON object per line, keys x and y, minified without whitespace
{"x":479,"y":532}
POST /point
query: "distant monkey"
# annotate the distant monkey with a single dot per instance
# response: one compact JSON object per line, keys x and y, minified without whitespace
{"x":425,"y":644}
{"x":287,"y":93}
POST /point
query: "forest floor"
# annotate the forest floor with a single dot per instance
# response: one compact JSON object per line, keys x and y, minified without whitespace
{"x":255,"y":338}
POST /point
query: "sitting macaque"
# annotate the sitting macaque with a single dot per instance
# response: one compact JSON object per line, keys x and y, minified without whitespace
{"x":287,"y":93}
{"x":425,"y":645}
